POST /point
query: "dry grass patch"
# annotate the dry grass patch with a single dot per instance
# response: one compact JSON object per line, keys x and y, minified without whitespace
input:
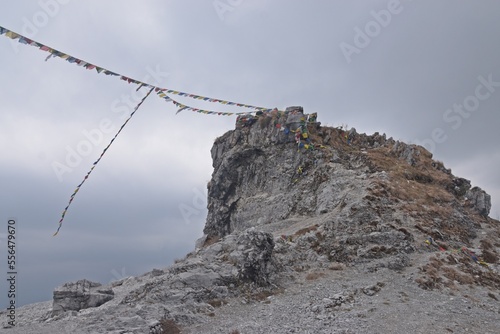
{"x":457,"y":268}
{"x":216,"y":302}
{"x":168,"y":326}
{"x":490,"y":254}
{"x":306,"y":230}
{"x":211,"y":240}
{"x":264,"y":121}
{"x":455,"y":276}
{"x":422,"y":183}
{"x":262,"y":295}
{"x":337,"y":266}
{"x":315,"y":275}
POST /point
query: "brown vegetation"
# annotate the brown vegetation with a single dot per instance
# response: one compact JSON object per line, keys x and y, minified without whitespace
{"x":305,"y":230}
{"x":168,"y":326}
{"x":314,"y":275}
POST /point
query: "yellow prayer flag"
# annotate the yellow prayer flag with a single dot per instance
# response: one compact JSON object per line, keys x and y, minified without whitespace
{"x":11,"y":34}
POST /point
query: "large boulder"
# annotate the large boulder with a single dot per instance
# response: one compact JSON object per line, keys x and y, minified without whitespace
{"x":479,"y":200}
{"x":253,"y":256}
{"x":406,"y":152}
{"x":82,"y":294}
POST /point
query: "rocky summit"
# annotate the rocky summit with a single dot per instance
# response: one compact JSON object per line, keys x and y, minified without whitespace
{"x":310,"y":229}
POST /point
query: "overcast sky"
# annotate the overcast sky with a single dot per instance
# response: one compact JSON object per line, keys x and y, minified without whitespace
{"x":420,"y":71}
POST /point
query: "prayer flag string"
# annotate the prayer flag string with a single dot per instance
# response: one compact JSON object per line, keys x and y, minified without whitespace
{"x":162,"y":92}
{"x":182,"y":107}
{"x":99,"y":159}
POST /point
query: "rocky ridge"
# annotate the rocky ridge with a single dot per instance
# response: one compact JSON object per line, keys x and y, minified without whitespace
{"x":332,"y":233}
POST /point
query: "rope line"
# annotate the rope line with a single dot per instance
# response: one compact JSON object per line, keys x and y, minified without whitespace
{"x":97,"y":161}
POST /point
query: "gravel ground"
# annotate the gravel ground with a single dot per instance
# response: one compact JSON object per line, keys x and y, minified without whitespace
{"x":354,"y":301}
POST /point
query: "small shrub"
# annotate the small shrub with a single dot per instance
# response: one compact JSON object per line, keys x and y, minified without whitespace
{"x":168,"y":326}
{"x":431,"y":278}
{"x":435,"y":262}
{"x":211,"y":240}
{"x":428,"y":283}
{"x":306,"y":230}
{"x":490,"y":257}
{"x":314,"y":276}
{"x":337,"y":266}
{"x":457,"y":276}
{"x":260,"y":296}
{"x":486,"y":244}
{"x":216,"y":302}
{"x":264,"y":121}
{"x":489,"y":253}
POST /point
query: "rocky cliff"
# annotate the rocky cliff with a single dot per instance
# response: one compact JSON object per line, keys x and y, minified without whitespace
{"x":262,"y":176}
{"x":307,"y":228}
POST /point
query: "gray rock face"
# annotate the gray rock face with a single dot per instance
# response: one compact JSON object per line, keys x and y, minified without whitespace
{"x":238,"y":181}
{"x":260,"y":177}
{"x":406,"y":152}
{"x":79,"y":295}
{"x":254,"y":256}
{"x":460,"y":186}
{"x":479,"y":200}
